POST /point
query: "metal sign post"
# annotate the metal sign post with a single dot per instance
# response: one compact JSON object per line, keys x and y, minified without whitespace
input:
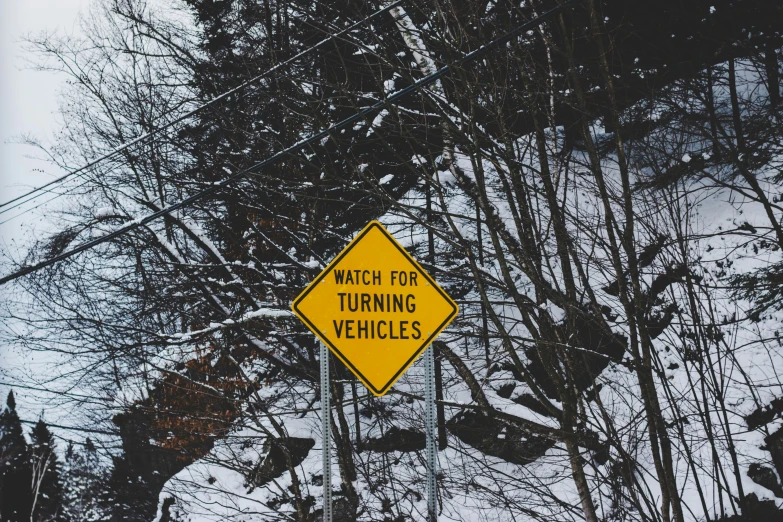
{"x":326,"y":434}
{"x":429,"y":420}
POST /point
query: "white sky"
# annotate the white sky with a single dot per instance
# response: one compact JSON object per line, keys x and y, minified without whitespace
{"x":28,"y":99}
{"x":28,"y":105}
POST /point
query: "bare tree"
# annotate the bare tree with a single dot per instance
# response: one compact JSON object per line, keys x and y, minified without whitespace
{"x":569,"y":189}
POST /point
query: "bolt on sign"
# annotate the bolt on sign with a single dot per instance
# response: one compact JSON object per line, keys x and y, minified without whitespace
{"x":375,"y":308}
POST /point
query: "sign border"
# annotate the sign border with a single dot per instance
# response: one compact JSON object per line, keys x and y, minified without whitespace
{"x":294,"y":306}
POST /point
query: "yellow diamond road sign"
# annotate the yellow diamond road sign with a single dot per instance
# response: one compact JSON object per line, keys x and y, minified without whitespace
{"x":375,"y":308}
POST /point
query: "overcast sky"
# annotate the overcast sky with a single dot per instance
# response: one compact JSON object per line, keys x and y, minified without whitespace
{"x":28,"y":105}
{"x":28,"y":99}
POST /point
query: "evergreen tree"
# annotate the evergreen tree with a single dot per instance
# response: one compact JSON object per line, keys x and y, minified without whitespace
{"x":15,"y":477}
{"x":82,"y":484}
{"x":128,"y":497}
{"x":73,"y":483}
{"x":46,"y":487}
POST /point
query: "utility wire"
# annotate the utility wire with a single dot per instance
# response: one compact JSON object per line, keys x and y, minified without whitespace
{"x":470,"y":57}
{"x":56,"y":393}
{"x":73,"y":428}
{"x":39,"y":205}
{"x":193,"y":112}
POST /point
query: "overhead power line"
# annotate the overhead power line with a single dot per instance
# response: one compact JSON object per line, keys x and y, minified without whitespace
{"x":38,"y":191}
{"x":470,"y":57}
{"x":39,"y":205}
{"x":58,"y":393}
{"x":74,"y":428}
